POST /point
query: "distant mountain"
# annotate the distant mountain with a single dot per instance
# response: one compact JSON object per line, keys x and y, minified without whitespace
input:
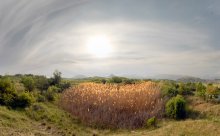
{"x":79,"y":77}
{"x":191,"y":79}
{"x":167,"y":76}
{"x":111,"y":75}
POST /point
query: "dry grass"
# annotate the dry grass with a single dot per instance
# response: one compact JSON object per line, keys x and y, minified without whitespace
{"x":114,"y":106}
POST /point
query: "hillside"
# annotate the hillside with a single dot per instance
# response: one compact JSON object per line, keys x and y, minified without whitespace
{"x":18,"y":123}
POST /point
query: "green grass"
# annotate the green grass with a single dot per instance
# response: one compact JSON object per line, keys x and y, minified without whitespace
{"x":47,"y":119}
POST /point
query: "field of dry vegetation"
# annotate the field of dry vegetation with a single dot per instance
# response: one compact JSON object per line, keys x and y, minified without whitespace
{"x":114,"y":106}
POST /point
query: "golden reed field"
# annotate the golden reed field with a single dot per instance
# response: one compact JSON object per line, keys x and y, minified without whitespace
{"x":113,"y":105}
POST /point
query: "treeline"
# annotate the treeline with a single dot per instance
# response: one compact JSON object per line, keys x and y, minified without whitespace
{"x":176,"y":92}
{"x":20,"y":91}
{"x":206,"y":91}
{"x":114,"y":79}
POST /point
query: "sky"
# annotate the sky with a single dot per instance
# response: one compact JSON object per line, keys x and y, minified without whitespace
{"x":146,"y":37}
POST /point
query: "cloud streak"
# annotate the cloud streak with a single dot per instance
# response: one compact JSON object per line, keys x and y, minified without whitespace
{"x":148,"y":37}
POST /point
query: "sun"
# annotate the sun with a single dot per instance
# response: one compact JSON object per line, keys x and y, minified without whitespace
{"x":99,"y":46}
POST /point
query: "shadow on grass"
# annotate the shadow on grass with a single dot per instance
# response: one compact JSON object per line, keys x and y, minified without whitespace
{"x":192,"y":114}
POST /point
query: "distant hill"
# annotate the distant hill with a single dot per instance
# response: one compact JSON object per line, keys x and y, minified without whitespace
{"x":191,"y":79}
{"x":79,"y":77}
{"x":167,"y":76}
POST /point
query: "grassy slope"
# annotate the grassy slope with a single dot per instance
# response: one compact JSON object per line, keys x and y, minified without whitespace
{"x":57,"y":122}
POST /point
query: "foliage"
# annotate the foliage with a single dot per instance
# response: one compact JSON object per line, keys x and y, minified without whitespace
{"x":41,"y":82}
{"x":212,"y":91}
{"x":23,"y":100}
{"x":116,"y":79}
{"x":176,"y":107}
{"x":10,"y":98}
{"x":63,"y":86}
{"x":186,"y":88}
{"x":7,"y":92}
{"x":28,"y":82}
{"x":56,"y":77}
{"x":201,"y":90}
{"x":169,"y":89}
{"x":129,"y":81}
{"x":151,"y":122}
{"x":51,"y":93}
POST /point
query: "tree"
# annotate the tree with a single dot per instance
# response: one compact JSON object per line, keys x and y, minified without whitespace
{"x":116,"y":79}
{"x":201,"y":90}
{"x":56,"y":77}
{"x":41,"y":82}
{"x":28,"y":82}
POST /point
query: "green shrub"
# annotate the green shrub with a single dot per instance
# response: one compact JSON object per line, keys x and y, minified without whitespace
{"x":10,"y":98}
{"x":28,"y":82}
{"x":129,"y":81}
{"x":22,"y":100}
{"x":116,"y":79}
{"x":51,"y":93}
{"x":176,"y":107}
{"x":41,"y":82}
{"x":151,"y":122}
{"x":41,"y":98}
{"x":201,"y":90}
{"x":63,"y":86}
{"x":212,"y":91}
{"x":169,"y":91}
{"x":185,"y":89}
{"x":7,"y":92}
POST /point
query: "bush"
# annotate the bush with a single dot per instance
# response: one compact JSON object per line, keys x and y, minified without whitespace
{"x":170,"y":91}
{"x":176,"y":107}
{"x":201,"y":90}
{"x":41,"y":82}
{"x":28,"y":82}
{"x":23,"y":100}
{"x":116,"y":80}
{"x":212,"y":91}
{"x":63,"y":86}
{"x":10,"y":98}
{"x":129,"y":81}
{"x":185,"y":89}
{"x":7,"y":92}
{"x":151,"y":122}
{"x":51,"y":93}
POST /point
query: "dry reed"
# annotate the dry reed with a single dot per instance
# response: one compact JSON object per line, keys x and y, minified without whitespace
{"x":114,"y":106}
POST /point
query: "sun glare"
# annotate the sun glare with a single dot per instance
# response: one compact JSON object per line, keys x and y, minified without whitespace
{"x":99,"y":46}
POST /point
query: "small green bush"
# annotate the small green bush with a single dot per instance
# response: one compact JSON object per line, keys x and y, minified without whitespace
{"x":63,"y":85}
{"x":116,"y":79}
{"x":151,"y":122}
{"x":176,"y":107}
{"x":28,"y":82}
{"x":51,"y":93}
{"x":22,"y":100}
{"x":169,"y":91}
{"x":7,"y":92}
{"x":201,"y":90}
